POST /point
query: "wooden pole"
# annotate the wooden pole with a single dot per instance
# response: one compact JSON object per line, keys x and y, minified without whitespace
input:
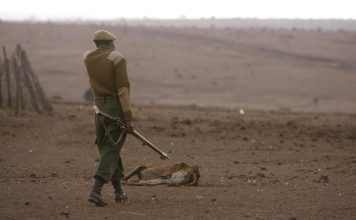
{"x":17,"y":97}
{"x":19,"y":67}
{"x":8,"y":80}
{"x":47,"y":105}
{"x":1,"y":72}
{"x":29,"y":85}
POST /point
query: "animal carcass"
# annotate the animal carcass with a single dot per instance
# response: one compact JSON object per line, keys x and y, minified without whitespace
{"x":172,"y":175}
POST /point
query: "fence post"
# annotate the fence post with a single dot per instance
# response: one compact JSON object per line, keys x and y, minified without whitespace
{"x":24,"y":77}
{"x":47,"y":105}
{"x":1,"y":72}
{"x":29,"y":85}
{"x":8,"y":80}
{"x":17,"y":67}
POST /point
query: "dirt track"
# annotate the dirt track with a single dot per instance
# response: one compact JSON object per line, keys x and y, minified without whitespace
{"x":261,"y":165}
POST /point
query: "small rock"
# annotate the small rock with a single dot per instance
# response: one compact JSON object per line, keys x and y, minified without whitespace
{"x":71,"y":117}
{"x":324,"y":179}
{"x":262,"y":175}
{"x":27,"y":203}
{"x":199,"y":197}
{"x":154,"y":199}
{"x":66,"y":214}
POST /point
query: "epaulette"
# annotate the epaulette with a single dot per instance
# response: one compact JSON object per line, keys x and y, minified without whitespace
{"x":115,"y":56}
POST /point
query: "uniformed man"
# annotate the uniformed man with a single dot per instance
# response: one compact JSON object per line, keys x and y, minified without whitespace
{"x":108,"y":78}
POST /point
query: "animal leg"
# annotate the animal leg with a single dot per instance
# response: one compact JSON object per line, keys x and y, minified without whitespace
{"x":153,"y":182}
{"x":134,"y":172}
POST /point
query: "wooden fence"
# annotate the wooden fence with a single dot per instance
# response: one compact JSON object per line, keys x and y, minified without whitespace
{"x":20,"y":88}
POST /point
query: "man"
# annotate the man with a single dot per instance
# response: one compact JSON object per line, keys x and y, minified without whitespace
{"x":108,"y":78}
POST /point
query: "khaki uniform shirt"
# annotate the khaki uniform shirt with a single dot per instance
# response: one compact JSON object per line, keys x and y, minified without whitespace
{"x":107,"y":72}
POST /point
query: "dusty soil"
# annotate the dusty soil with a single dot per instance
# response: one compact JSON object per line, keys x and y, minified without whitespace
{"x":260,"y":165}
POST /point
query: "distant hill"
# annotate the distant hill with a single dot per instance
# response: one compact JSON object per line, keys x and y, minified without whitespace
{"x":330,"y":25}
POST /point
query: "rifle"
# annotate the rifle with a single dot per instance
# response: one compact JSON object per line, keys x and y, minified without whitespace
{"x":134,"y":133}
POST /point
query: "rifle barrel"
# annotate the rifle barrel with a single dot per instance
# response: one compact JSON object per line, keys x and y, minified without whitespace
{"x":148,"y":143}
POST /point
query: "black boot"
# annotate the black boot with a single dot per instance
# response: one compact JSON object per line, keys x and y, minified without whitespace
{"x":120,"y":195}
{"x":95,"y":194}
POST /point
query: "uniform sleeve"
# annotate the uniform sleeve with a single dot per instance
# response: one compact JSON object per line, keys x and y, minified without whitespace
{"x":123,"y":86}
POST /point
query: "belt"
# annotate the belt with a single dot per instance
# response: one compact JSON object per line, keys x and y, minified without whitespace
{"x":105,"y":99}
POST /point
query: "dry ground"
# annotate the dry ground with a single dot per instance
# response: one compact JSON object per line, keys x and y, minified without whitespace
{"x":260,"y":165}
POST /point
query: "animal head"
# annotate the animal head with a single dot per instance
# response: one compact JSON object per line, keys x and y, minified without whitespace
{"x":196,"y":175}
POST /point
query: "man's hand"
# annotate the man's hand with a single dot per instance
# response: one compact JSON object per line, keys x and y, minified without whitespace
{"x":130,"y":126}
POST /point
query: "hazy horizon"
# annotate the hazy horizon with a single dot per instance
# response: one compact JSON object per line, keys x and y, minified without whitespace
{"x":234,"y":23}
{"x":145,"y":18}
{"x":42,"y":10}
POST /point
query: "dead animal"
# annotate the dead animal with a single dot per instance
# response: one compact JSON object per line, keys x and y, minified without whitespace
{"x":172,"y":175}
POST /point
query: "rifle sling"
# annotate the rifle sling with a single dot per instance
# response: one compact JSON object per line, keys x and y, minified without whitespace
{"x":107,"y":132}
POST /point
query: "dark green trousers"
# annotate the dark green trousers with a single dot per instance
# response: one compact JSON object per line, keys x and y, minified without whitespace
{"x":109,"y":139}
